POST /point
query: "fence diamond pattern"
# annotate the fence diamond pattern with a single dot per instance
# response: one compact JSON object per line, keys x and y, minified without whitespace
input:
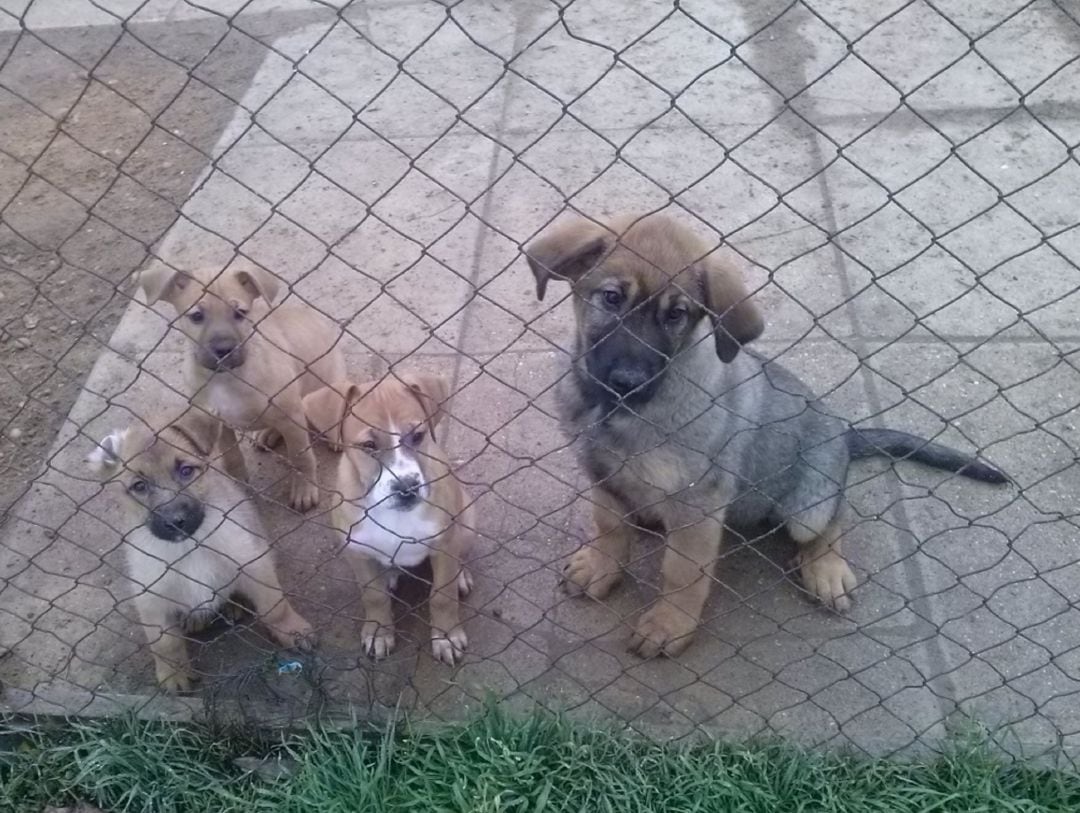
{"x":897,"y":180}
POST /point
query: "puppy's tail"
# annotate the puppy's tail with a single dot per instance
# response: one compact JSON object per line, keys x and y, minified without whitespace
{"x":903,"y":446}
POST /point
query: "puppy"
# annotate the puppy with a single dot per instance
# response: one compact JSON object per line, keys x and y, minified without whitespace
{"x":400,"y":503}
{"x":197,"y":540}
{"x":252,"y":364}
{"x":679,"y":429}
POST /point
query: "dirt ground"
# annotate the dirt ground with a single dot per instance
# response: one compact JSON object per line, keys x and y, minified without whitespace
{"x":92,"y":172}
{"x":47,"y":351}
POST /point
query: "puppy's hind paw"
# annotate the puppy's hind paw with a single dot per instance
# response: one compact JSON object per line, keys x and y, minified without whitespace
{"x":232,"y":613}
{"x":175,"y":681}
{"x":267,"y":439}
{"x":464,"y":582}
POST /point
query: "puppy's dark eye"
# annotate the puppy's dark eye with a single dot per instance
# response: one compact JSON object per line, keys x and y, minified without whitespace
{"x":677,"y":313}
{"x":416,"y":438}
{"x":185,"y":471}
{"x":368,"y":445}
{"x":612,"y":298}
{"x":138,"y":487}
{"x":196,"y":316}
{"x":239,"y":313}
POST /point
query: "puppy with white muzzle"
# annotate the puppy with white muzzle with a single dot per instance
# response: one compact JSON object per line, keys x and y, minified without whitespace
{"x":400,"y":502}
{"x":196,"y":540}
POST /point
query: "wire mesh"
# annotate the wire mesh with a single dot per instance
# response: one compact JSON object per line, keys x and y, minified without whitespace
{"x":895,"y":182}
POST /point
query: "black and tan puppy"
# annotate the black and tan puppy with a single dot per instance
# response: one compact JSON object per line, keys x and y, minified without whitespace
{"x":680,"y":429}
{"x":252,"y":363}
{"x":196,"y":540}
{"x":400,"y":502}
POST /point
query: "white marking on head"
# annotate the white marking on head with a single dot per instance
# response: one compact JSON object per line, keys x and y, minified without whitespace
{"x":403,"y":466}
{"x":392,"y":533}
{"x":105,"y":457}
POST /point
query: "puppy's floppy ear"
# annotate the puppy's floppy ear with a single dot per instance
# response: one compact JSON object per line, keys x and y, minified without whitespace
{"x":200,"y":428}
{"x":567,"y":251}
{"x":259,"y":282}
{"x":327,"y":407}
{"x":105,"y":459}
{"x":736,"y":319}
{"x":159,"y":281}
{"x":432,"y":391}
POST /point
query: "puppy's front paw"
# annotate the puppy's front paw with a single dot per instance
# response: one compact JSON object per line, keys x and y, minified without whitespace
{"x":592,"y":572}
{"x":662,"y":630}
{"x":828,"y":577}
{"x":295,"y":632}
{"x":303,"y":494}
{"x":377,"y":639}
{"x":449,"y":649}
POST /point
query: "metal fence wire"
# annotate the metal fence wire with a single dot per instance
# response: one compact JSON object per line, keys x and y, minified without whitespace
{"x":894,"y":181}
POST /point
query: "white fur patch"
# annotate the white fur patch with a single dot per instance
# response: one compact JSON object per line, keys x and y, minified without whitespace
{"x":391,"y":535}
{"x":197,"y":575}
{"x":398,"y":538}
{"x":227,"y":395}
{"x":106,"y":455}
{"x":402,"y":467}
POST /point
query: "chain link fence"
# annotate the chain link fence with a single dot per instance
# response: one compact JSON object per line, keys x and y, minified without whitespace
{"x":896,"y":181}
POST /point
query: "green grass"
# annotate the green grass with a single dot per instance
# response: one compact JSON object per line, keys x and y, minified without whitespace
{"x":497,"y":764}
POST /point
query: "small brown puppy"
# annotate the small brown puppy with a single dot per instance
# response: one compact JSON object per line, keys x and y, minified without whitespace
{"x":251,"y":363}
{"x":401,"y":504}
{"x":197,"y":540}
{"x":680,"y":426}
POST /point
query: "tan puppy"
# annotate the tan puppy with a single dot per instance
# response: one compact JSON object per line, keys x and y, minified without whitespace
{"x":400,"y":502}
{"x":252,"y":364}
{"x":197,"y":540}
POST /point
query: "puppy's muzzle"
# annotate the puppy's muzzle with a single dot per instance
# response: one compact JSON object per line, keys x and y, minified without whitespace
{"x":177,"y":519}
{"x":221,"y":353}
{"x":405,"y":492}
{"x":624,"y":367}
{"x":625,"y":379}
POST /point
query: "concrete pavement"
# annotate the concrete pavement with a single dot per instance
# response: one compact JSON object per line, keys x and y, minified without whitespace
{"x":910,"y":224}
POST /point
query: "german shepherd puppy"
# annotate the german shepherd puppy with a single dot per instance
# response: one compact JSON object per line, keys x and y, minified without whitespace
{"x":196,"y":540}
{"x":679,"y":429}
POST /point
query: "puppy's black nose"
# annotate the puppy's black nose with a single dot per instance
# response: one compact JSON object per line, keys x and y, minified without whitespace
{"x":221,"y":348}
{"x":406,"y":488}
{"x":624,"y":380}
{"x":176,"y":519}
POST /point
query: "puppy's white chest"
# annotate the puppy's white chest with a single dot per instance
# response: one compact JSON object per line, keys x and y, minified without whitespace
{"x":395,"y":538}
{"x":180,"y":572}
{"x":226,"y":396}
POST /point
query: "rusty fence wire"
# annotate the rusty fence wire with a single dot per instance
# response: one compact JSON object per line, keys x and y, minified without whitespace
{"x":895,"y":182}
